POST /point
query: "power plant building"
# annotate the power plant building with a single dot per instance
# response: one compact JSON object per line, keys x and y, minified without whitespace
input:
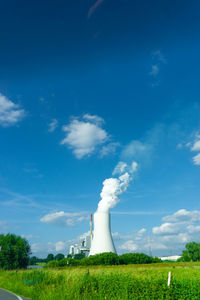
{"x":83,"y":246}
{"x":97,"y":241}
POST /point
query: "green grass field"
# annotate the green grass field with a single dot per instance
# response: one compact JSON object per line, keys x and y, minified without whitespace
{"x":114,"y":282}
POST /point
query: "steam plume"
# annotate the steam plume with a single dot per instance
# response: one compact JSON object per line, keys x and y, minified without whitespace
{"x":113,"y":187}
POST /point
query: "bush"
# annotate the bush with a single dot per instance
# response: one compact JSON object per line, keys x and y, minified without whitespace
{"x":52,"y":264}
{"x":106,"y":259}
{"x":79,"y":256}
{"x":137,"y":258}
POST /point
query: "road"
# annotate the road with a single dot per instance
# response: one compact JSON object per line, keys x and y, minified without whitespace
{"x":4,"y":295}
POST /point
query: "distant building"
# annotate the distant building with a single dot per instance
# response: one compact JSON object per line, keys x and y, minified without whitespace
{"x":172,"y":257}
{"x":83,"y":246}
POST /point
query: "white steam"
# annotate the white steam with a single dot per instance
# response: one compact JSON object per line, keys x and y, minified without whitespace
{"x":113,"y":187}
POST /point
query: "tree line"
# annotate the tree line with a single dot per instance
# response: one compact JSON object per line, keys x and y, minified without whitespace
{"x":105,"y":259}
{"x":15,"y":254}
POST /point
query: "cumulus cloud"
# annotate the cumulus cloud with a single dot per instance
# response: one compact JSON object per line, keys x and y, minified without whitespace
{"x":83,"y":136}
{"x":193,"y":229}
{"x":128,"y":246}
{"x":178,"y":229}
{"x":142,"y":231}
{"x":42,"y":249}
{"x":174,"y":233}
{"x":60,"y":246}
{"x":93,"y":118}
{"x":52,"y":125}
{"x":183,"y":215}
{"x":10,"y":113}
{"x":195,"y":147}
{"x":196,"y":159}
{"x":167,"y":228}
{"x":62,"y":218}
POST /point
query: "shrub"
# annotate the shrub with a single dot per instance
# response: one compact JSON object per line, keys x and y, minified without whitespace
{"x":137,"y":258}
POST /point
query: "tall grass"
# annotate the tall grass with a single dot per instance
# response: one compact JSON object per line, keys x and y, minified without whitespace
{"x":96,"y":283}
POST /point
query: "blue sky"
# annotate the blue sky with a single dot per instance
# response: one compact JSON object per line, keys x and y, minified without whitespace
{"x":85,"y":85}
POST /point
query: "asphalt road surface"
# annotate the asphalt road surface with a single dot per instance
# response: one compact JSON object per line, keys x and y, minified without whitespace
{"x":4,"y":295}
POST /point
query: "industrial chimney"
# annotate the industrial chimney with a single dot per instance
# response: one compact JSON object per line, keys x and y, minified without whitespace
{"x":102,"y":238}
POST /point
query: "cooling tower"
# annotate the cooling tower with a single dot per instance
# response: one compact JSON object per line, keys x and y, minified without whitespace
{"x":102,"y":238}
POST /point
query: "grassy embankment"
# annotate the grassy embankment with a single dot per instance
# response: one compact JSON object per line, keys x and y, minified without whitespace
{"x":115,"y":282}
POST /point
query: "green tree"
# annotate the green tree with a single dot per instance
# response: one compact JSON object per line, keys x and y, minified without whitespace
{"x":59,"y":256}
{"x":33,"y":260}
{"x":79,"y":256}
{"x":14,"y":252}
{"x":136,"y":258}
{"x":192,"y":252}
{"x":107,"y":258}
{"x":50,"y":257}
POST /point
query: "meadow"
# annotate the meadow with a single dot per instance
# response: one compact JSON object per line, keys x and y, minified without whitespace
{"x":111,"y":282}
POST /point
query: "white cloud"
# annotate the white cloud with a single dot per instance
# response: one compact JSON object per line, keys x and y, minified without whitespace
{"x":196,"y":146}
{"x":30,"y":236}
{"x":52,"y":125}
{"x":159,"y":56}
{"x":109,"y":149}
{"x":142,"y":231}
{"x":138,"y":151}
{"x":134,"y":167}
{"x":178,"y":229}
{"x":84,"y":136}
{"x":60,"y":246}
{"x":10,"y":113}
{"x":184,"y":215}
{"x":94,"y":119}
{"x":154,"y":70}
{"x":176,"y":240}
{"x":158,"y":60}
{"x":128,"y":246}
{"x":4,"y":227}
{"x":167,"y":228}
{"x":64,"y":219}
{"x":193,"y":229}
{"x":196,"y":159}
{"x":174,"y":233}
{"x":42,"y":249}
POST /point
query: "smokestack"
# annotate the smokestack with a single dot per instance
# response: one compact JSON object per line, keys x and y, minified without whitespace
{"x":102,"y":240}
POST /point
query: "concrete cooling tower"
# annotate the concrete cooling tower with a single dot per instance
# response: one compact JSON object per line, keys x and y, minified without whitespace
{"x":102,"y":239}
